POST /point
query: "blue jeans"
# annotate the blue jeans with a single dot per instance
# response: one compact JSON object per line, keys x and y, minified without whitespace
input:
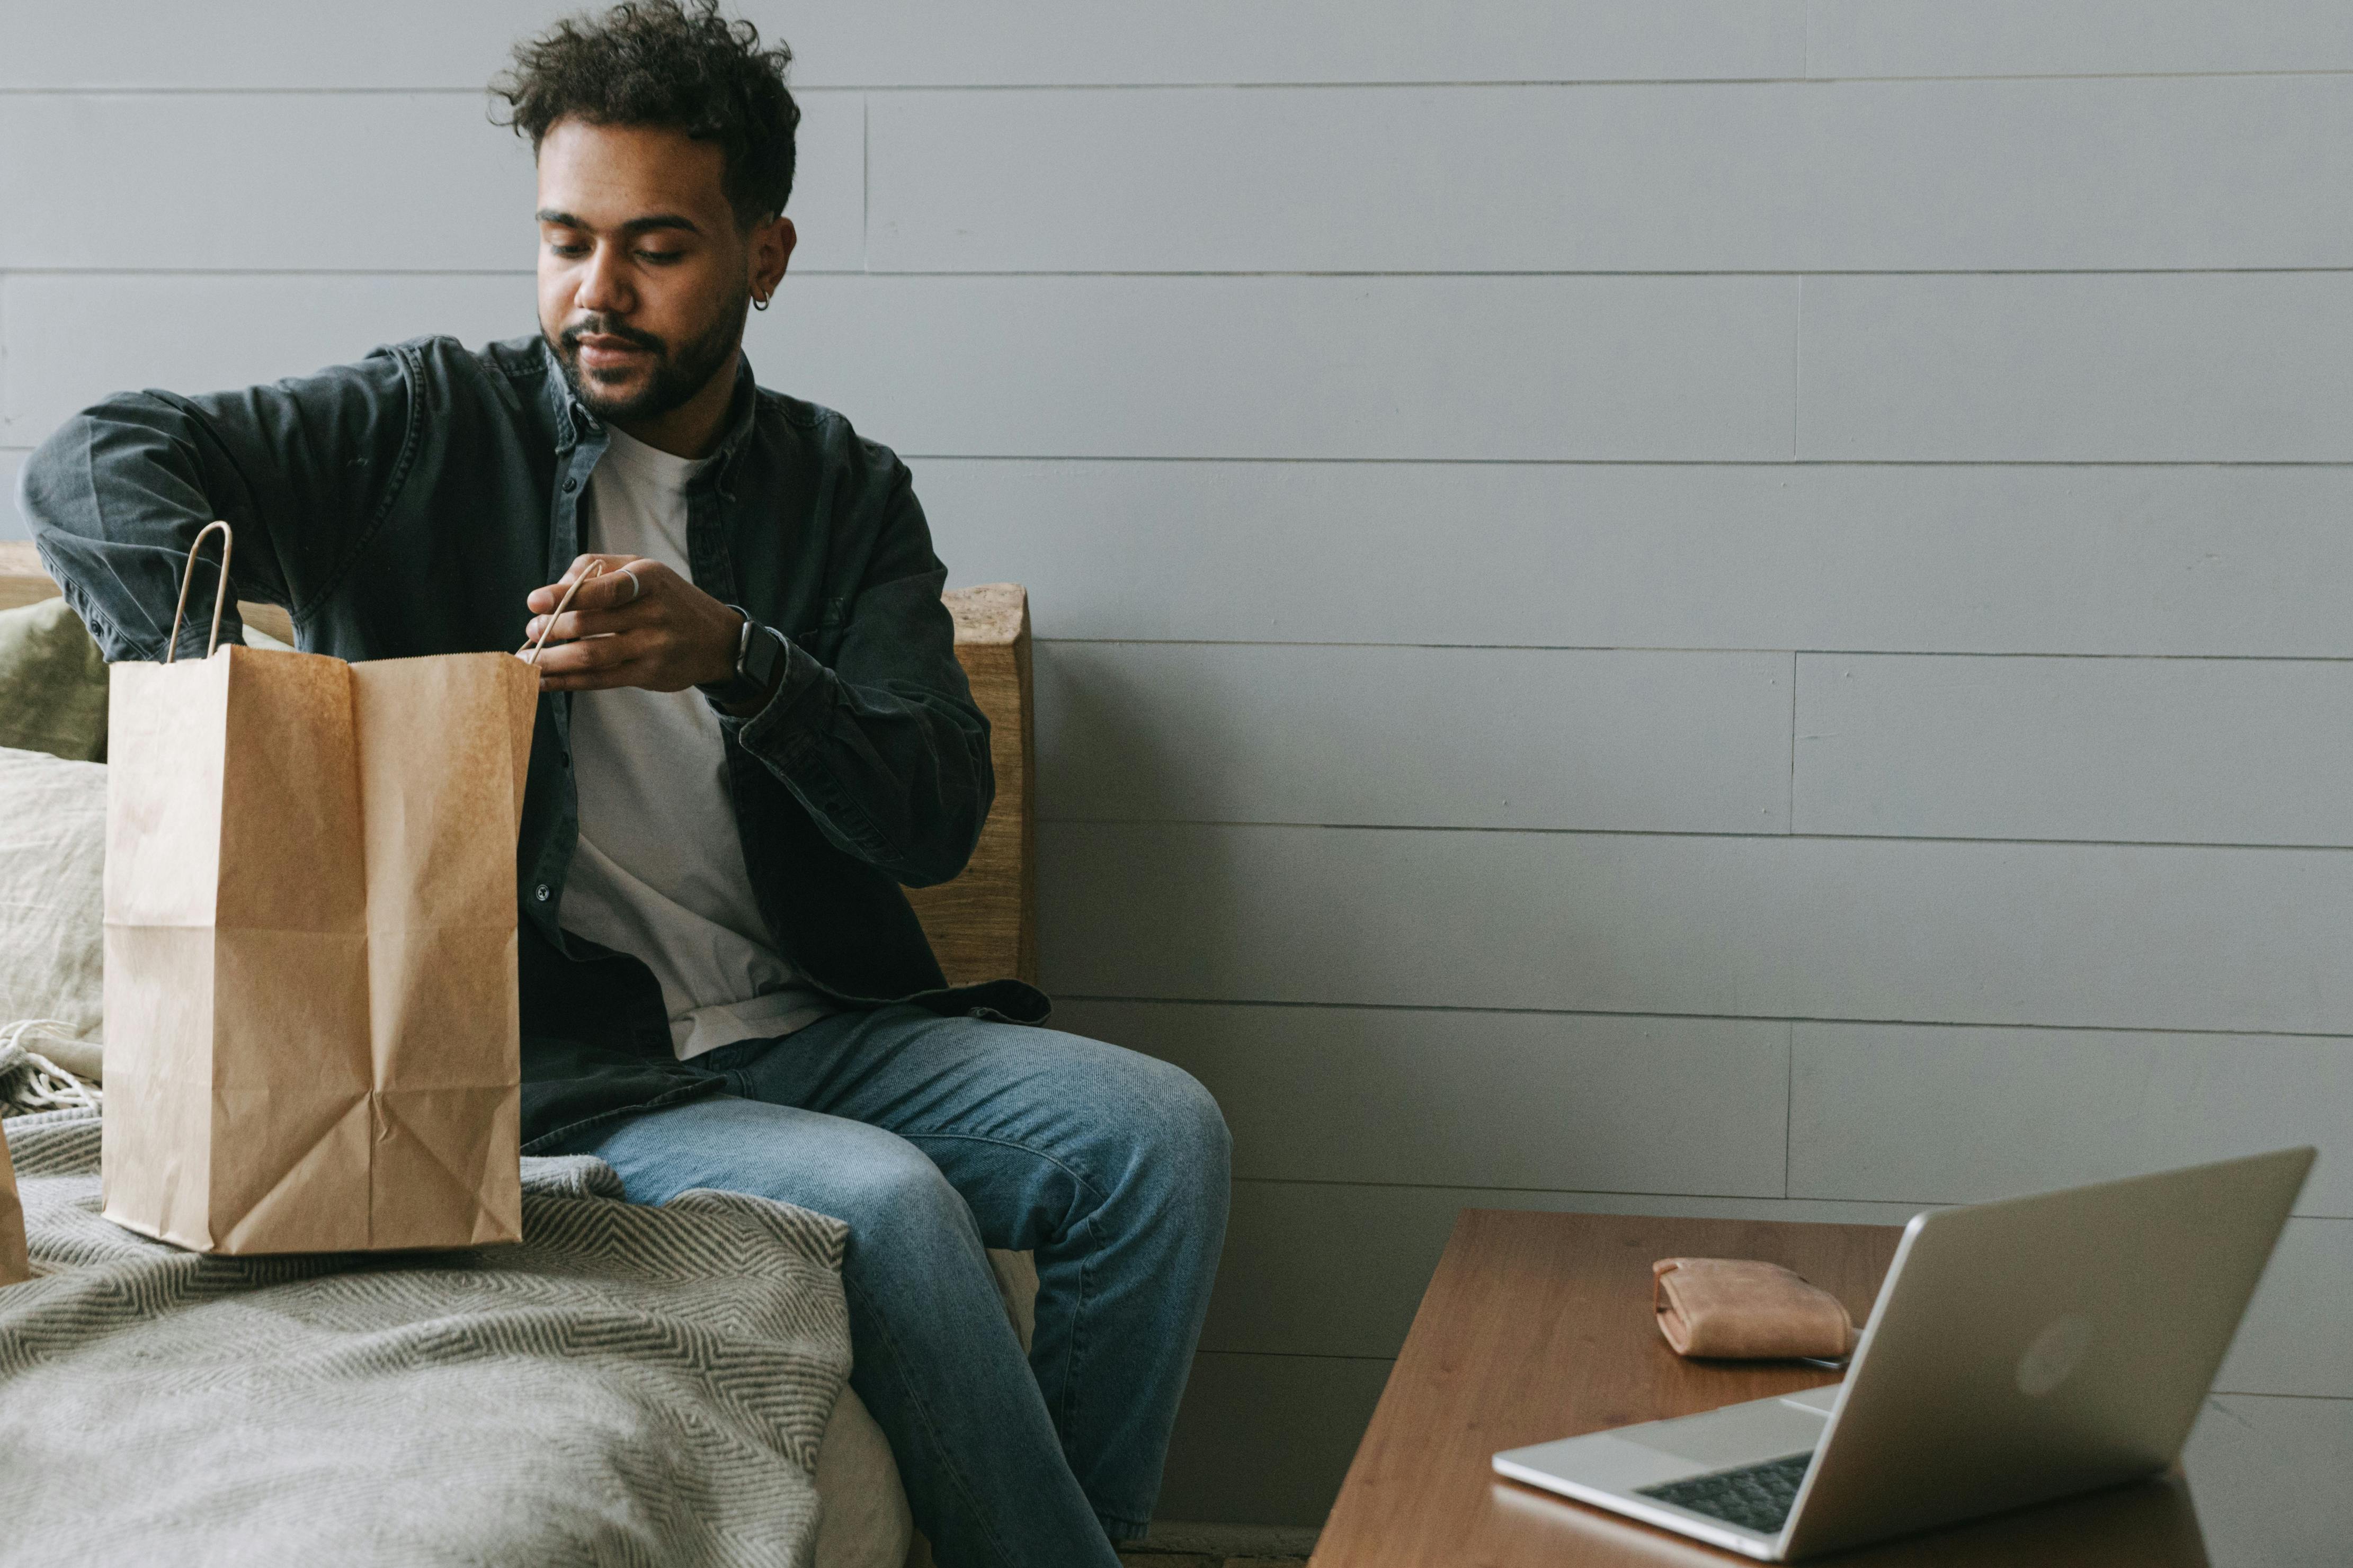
{"x":934,"y":1139}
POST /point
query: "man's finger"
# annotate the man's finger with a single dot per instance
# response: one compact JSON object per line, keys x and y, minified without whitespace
{"x":541,"y":600}
{"x":581,"y":564}
{"x":594,"y":653}
{"x":619,"y":586}
{"x":591,"y":680}
{"x":573,"y":627}
{"x":604,"y":679}
{"x":576,"y":623}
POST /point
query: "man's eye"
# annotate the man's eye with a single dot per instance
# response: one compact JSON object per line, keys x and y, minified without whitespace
{"x":661,"y":257}
{"x":560,"y":249}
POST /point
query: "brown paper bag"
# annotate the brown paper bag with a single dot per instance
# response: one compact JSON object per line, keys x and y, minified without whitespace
{"x":312,"y":1041}
{"x":15,"y":1266}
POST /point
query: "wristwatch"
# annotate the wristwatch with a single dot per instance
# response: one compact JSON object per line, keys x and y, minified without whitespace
{"x":760,"y":654}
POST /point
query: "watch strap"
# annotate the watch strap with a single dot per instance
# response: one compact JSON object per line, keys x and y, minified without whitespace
{"x":757,"y":659}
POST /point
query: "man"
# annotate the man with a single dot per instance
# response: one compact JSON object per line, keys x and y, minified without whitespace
{"x":755,"y":731}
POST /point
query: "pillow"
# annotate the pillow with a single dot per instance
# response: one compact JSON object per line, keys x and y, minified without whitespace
{"x":53,"y":900}
{"x":52,"y":683}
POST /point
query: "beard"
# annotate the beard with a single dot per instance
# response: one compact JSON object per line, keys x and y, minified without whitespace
{"x":677,"y":373}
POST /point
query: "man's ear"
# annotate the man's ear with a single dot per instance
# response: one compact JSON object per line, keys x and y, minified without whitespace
{"x":771,"y":253}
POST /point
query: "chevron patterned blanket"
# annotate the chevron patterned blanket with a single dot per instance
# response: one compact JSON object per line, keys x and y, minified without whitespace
{"x":627,"y":1386}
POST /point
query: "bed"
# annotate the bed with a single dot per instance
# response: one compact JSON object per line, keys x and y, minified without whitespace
{"x":627,"y":1386}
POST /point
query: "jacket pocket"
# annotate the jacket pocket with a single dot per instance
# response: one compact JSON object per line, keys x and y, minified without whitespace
{"x":823,"y":640}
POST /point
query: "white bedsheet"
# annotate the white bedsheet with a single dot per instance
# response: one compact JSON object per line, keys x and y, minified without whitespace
{"x":864,"y":1520}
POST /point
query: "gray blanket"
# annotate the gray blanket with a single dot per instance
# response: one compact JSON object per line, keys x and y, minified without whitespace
{"x":628,"y":1385}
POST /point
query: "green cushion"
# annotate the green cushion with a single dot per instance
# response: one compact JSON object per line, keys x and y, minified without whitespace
{"x":52,"y":684}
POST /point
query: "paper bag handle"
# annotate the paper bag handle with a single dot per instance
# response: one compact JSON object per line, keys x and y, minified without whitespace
{"x":220,"y":598}
{"x":595,"y":569}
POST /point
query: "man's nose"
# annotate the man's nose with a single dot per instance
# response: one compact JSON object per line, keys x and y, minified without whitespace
{"x":604,"y":286}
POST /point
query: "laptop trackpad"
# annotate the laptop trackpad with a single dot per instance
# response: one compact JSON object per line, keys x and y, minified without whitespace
{"x":1735,"y":1435}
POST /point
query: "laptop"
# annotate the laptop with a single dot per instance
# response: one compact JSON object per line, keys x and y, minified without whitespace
{"x":2019,"y":1352}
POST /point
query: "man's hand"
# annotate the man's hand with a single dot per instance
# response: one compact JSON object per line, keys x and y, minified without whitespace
{"x":637,"y":623}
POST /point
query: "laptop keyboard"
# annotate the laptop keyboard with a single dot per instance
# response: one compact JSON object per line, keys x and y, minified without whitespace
{"x":1755,"y":1496}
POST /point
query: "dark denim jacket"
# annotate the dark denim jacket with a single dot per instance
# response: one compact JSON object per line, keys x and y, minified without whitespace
{"x":407,"y":504}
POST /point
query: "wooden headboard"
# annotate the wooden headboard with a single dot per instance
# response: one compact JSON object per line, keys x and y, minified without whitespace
{"x":984,"y":924}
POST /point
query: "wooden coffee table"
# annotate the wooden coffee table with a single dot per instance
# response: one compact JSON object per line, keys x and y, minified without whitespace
{"x":1539,"y":1326}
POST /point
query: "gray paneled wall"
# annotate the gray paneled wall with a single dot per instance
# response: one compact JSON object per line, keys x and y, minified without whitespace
{"x":1714,"y":606}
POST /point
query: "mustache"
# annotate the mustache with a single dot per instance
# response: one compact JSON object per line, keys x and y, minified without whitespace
{"x":605,"y":327}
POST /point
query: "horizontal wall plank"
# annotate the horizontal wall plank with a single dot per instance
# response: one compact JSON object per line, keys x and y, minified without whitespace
{"x":2166,"y":560}
{"x":1406,"y":367}
{"x":1797,"y":176}
{"x":928,"y":43}
{"x":271,"y":44}
{"x":1398,"y":367}
{"x":1645,"y":1105}
{"x":2176,"y":750}
{"x":339,"y":181}
{"x":2269,"y":1476}
{"x":2293,"y":1339}
{"x":1321,"y":367}
{"x":1936,"y":931}
{"x":1312,"y":1268}
{"x":1947,"y":1115}
{"x":2168,"y":173}
{"x":1315,"y":1268}
{"x":458,"y":44}
{"x":2074,"y":38}
{"x":2255,"y":367}
{"x":66,"y":340}
{"x":1365,"y":180}
{"x":277,"y":182}
{"x":1461,"y":737}
{"x":12,"y":523}
{"x":1266,"y":1440}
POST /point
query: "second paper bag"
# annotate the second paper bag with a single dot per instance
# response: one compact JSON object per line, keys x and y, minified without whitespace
{"x":312,"y":1040}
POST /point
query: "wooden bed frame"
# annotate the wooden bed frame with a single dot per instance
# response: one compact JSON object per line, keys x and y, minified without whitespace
{"x":984,"y":924}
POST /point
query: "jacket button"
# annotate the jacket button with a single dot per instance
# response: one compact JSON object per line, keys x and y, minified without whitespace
{"x":539,"y":892}
{"x":570,"y":485}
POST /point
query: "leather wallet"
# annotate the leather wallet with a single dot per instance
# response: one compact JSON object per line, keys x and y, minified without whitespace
{"x":1740,"y":1310}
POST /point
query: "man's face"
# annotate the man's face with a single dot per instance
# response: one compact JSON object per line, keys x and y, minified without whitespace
{"x":643,"y":275}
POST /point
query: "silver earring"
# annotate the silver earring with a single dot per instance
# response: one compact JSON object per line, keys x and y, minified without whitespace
{"x":759,"y":302}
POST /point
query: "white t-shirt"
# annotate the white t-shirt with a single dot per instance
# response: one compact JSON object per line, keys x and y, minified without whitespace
{"x":659,"y":871}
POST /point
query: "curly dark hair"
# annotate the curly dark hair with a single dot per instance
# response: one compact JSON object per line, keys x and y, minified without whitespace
{"x":658,"y":62}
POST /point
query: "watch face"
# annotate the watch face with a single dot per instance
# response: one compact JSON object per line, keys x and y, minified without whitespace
{"x":765,"y":655}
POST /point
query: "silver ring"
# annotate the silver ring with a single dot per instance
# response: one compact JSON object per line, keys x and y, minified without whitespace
{"x":636,"y":588}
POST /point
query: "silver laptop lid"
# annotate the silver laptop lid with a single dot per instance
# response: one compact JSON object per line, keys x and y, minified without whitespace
{"x":2032,"y":1348}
